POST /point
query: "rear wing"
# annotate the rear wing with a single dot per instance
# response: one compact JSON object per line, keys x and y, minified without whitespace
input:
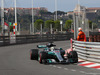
{"x":41,"y":46}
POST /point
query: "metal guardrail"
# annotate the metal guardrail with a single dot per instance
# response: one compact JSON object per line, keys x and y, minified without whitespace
{"x":87,"y":50}
{"x":23,"y":39}
{"x":94,"y":37}
{"x":1,"y":43}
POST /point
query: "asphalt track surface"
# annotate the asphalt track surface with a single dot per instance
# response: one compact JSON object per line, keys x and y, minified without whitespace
{"x":15,"y":60}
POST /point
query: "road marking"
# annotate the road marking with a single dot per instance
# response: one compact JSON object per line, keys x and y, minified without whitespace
{"x":65,"y":68}
{"x":50,"y":65}
{"x":82,"y":71}
{"x":90,"y":65}
{"x":59,"y":67}
{"x":73,"y":70}
{"x":54,"y":66}
{"x":92,"y":73}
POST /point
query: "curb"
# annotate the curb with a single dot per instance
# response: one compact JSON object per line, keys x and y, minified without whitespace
{"x":88,"y":64}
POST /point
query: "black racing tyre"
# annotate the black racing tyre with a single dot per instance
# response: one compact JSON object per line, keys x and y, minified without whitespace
{"x":42,"y":57}
{"x":62,"y":52}
{"x":73,"y":55}
{"x":34,"y":54}
{"x":75,"y":60}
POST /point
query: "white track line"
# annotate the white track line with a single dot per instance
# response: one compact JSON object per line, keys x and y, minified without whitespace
{"x":59,"y":67}
{"x":82,"y":71}
{"x":73,"y":70}
{"x":66,"y":69}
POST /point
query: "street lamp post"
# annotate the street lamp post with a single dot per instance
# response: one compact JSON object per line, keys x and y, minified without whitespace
{"x":55,"y":9}
{"x":41,"y":29}
{"x":15,"y":17}
{"x":78,"y":13}
{"x":61,"y":25}
{"x":2,"y":16}
{"x":51,"y":28}
{"x":32,"y":17}
{"x":30,"y":29}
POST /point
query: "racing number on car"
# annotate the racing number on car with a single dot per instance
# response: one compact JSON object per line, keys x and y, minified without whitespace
{"x":57,"y":51}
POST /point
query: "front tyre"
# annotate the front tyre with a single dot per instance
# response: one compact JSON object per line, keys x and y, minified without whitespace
{"x":42,"y":58}
{"x":34,"y":54}
{"x":73,"y":56}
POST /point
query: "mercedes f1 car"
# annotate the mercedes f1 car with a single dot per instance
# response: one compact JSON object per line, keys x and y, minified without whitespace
{"x":50,"y":54}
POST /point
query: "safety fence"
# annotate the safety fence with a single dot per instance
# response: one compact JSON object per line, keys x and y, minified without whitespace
{"x":23,"y":39}
{"x":87,"y":50}
{"x":94,"y":37}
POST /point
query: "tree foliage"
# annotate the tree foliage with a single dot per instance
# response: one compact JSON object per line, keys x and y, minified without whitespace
{"x":38,"y":24}
{"x":57,"y":25}
{"x":11,"y":28}
{"x":90,"y":24}
{"x":94,"y":25}
{"x":48,"y":23}
{"x":60,"y":12}
{"x":68,"y":24}
{"x":42,"y":12}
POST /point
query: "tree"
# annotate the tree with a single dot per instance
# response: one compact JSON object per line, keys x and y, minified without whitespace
{"x":42,"y":12}
{"x":68,"y":24}
{"x":90,"y":24}
{"x":60,"y":12}
{"x":11,"y":28}
{"x":57,"y":25}
{"x":94,"y":25}
{"x":48,"y":23}
{"x":38,"y":24}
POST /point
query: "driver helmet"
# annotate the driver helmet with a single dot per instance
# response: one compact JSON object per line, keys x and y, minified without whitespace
{"x":52,"y":48}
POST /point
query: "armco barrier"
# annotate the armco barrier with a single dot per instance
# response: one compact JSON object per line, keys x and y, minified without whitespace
{"x":87,"y":50}
{"x":94,"y":37}
{"x":23,"y":39}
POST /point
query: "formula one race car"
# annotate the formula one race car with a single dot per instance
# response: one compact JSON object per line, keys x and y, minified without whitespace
{"x":50,"y":54}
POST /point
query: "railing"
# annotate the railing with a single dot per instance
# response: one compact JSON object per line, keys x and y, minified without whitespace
{"x":4,"y":40}
{"x":94,"y":37}
{"x":87,"y":50}
{"x":22,"y":39}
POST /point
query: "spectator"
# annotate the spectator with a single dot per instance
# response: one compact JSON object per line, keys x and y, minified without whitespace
{"x":81,"y":35}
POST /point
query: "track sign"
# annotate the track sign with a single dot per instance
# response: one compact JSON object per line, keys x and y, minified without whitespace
{"x":10,"y":23}
{"x":15,"y":24}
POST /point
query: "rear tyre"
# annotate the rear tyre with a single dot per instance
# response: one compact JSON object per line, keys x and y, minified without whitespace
{"x":34,"y":54}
